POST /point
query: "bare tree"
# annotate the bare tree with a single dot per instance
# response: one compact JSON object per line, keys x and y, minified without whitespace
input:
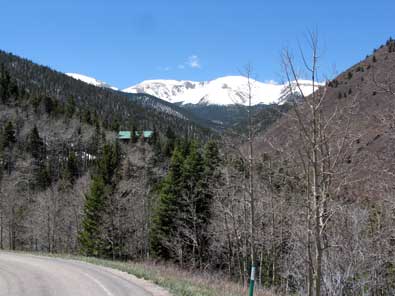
{"x":323,"y":140}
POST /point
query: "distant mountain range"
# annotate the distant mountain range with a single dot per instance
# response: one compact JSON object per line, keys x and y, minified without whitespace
{"x":223,"y":91}
{"x":218,"y":103}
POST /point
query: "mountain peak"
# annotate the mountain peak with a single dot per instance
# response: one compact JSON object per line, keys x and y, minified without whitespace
{"x":91,"y":80}
{"x":227,"y":90}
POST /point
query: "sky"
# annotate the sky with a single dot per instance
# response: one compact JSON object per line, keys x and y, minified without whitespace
{"x":123,"y":42}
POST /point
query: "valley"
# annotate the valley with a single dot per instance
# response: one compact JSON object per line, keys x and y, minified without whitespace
{"x":292,"y":180}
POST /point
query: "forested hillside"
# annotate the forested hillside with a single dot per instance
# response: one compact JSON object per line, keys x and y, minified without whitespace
{"x":308,"y":201}
{"x":117,"y":110}
{"x":51,"y":153}
{"x":234,"y":117}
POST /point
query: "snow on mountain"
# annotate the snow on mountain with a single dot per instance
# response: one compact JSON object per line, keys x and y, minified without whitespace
{"x":91,"y":80}
{"x":226,"y":90}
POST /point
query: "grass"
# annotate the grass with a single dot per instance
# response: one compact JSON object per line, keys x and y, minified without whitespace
{"x":178,"y":281}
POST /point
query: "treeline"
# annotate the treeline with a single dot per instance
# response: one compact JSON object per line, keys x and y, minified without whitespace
{"x":116,"y":110}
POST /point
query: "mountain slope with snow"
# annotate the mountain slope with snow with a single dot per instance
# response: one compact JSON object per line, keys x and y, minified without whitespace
{"x":228,"y":90}
{"x":91,"y":80}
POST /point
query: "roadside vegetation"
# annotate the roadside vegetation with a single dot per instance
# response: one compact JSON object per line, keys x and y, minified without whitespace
{"x":179,"y":282}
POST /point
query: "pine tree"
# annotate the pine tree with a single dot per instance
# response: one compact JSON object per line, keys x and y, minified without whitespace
{"x":97,"y":141}
{"x":36,"y":145}
{"x":90,"y":236}
{"x":87,"y":117}
{"x":5,"y":82}
{"x":108,"y":163}
{"x":155,"y":143}
{"x":71,"y":170}
{"x":164,"y":221}
{"x":196,"y":204}
{"x":37,"y":149}
{"x":170,"y":142}
{"x":183,"y":208}
{"x":104,"y":182}
{"x":49,"y":105}
{"x":35,"y":102}
{"x":211,"y":157}
{"x":134,"y":137}
{"x":115,"y":125}
{"x":154,"y":139}
{"x":9,"y":135}
{"x":70,"y":107}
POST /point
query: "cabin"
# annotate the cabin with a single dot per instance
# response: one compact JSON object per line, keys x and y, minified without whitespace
{"x":127,"y":135}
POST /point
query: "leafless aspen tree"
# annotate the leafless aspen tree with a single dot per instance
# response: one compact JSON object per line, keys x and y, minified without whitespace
{"x":322,"y":147}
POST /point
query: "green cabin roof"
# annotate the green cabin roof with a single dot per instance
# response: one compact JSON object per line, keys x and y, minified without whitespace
{"x":126,"y":135}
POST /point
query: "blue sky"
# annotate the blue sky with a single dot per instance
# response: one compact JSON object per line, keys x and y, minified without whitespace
{"x":125,"y":42}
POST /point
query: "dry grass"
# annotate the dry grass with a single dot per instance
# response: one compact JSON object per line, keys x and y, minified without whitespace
{"x":207,"y":283}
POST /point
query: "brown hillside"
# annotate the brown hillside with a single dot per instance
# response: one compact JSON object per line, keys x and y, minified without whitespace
{"x":359,"y":105}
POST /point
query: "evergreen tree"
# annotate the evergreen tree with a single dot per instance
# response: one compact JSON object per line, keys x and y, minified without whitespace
{"x":133,"y":135}
{"x":115,"y":125}
{"x":164,"y":221}
{"x":70,"y":107}
{"x":108,"y":163}
{"x":90,"y":236}
{"x":184,"y":202}
{"x":170,"y":142}
{"x":87,"y":117}
{"x":8,"y":139}
{"x":36,"y":145}
{"x":9,"y":135}
{"x":42,"y":177}
{"x":153,"y":140}
{"x":71,"y":170}
{"x":196,"y":205}
{"x":41,"y":172}
{"x":5,"y":82}
{"x":35,"y":102}
{"x":49,"y":105}
{"x":211,"y":157}
{"x":95,"y":147}
{"x":104,"y":182}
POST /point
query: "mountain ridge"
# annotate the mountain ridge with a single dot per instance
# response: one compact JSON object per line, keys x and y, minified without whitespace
{"x":227,"y":90}
{"x":224,"y":91}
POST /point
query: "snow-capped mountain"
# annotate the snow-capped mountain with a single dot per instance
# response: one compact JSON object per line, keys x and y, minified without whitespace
{"x":228,"y":90}
{"x":91,"y":80}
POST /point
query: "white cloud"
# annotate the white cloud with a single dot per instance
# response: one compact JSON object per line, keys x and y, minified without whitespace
{"x":164,"y":69}
{"x":193,"y":62}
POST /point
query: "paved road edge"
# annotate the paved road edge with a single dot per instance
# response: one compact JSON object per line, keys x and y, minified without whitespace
{"x":147,"y":285}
